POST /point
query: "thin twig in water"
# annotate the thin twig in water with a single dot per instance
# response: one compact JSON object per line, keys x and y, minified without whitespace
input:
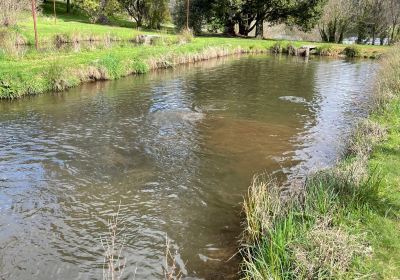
{"x":171,"y":270}
{"x":114,"y":263}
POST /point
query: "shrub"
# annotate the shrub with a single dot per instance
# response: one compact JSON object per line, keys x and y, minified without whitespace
{"x":10,"y":43}
{"x":276,"y":48}
{"x":55,"y":74}
{"x":291,"y":50}
{"x":352,"y":51}
{"x":328,"y":50}
{"x":186,"y":36}
{"x":139,"y":67}
{"x":62,"y":39}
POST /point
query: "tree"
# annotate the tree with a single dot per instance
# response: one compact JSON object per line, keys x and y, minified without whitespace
{"x":301,"y":13}
{"x":336,"y":20}
{"x":157,"y":12}
{"x":136,"y":9}
{"x":152,"y":12}
{"x":393,"y":14}
{"x":372,"y":19}
{"x":199,"y":11}
{"x":98,"y":10}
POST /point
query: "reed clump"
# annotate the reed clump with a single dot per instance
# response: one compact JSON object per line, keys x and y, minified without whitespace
{"x":12,"y":43}
{"x":185,"y":36}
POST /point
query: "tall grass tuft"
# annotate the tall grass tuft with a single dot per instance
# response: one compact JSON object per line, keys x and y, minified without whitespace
{"x":112,"y":65}
{"x":352,"y":51}
{"x":328,"y":50}
{"x":185,"y":36}
{"x":55,"y":74}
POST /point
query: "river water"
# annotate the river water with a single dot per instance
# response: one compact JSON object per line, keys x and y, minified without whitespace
{"x":176,"y":149}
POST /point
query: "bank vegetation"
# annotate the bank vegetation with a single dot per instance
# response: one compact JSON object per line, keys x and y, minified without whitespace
{"x":342,"y":222}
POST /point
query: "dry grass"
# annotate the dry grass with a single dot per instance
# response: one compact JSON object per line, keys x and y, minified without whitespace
{"x":185,"y":36}
{"x":11,"y":9}
{"x":388,"y":86}
{"x":113,"y":244}
{"x":12,"y":43}
{"x":326,"y":252}
{"x":261,"y":208}
{"x":170,"y":269}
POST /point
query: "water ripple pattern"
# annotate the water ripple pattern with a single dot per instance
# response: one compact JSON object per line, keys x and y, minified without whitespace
{"x":177,"y":149}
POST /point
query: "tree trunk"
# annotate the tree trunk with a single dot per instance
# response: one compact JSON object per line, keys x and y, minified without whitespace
{"x":332,"y":31}
{"x":243,"y":28}
{"x":230,"y":27}
{"x":34,"y":24}
{"x":102,"y":17}
{"x":187,"y":14}
{"x":260,"y":29}
{"x":360,"y":33}
{"x":68,"y":6}
{"x":373,"y":36}
{"x":322,"y":33}
{"x":392,"y":35}
{"x":54,"y":10}
{"x":139,"y":22}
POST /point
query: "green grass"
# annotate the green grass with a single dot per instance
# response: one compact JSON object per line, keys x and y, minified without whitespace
{"x":343,"y":223}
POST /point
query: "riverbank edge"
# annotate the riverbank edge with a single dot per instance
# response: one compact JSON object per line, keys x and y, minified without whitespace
{"x":342,"y":222}
{"x":23,"y":77}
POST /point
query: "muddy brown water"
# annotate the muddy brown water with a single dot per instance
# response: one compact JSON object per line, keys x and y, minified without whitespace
{"x":177,"y":148}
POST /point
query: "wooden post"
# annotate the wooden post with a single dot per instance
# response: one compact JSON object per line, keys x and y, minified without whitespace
{"x":34,"y":24}
{"x":55,"y":14}
{"x":187,"y":15}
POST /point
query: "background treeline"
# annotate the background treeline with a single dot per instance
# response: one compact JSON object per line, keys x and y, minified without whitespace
{"x":365,"y":19}
{"x":369,"y":21}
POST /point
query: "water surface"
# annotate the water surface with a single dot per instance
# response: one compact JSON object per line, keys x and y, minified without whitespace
{"x":176,"y":148}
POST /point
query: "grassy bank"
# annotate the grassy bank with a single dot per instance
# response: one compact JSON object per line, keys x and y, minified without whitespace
{"x":342,"y":223}
{"x":111,"y":54}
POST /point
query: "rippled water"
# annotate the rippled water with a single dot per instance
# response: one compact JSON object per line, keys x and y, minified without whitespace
{"x":177,"y":148}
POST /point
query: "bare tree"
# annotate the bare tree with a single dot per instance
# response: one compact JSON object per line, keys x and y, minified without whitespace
{"x":393,"y":14}
{"x":10,"y":10}
{"x":336,"y":20}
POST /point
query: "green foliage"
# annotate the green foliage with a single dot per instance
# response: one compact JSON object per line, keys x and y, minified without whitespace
{"x":139,"y":67}
{"x":352,"y":51}
{"x":226,"y":13}
{"x":98,"y":11}
{"x":201,"y":11}
{"x":151,"y":12}
{"x":55,"y":75}
{"x":112,"y":64}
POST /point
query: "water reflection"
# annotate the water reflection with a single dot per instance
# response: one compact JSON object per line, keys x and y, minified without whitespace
{"x":177,"y":148}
